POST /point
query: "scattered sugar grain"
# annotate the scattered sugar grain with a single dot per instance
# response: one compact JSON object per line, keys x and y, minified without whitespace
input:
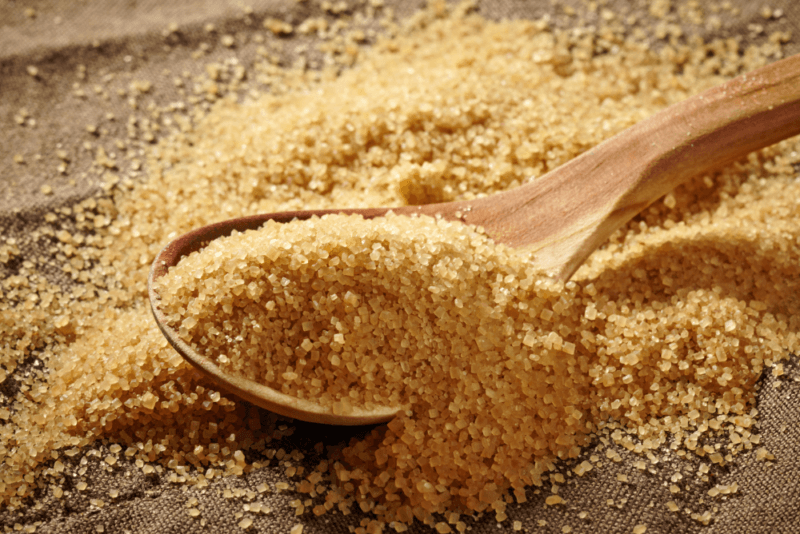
{"x":553,"y":500}
{"x":673,"y":507}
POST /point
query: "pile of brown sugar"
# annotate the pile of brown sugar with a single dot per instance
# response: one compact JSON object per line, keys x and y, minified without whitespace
{"x":664,"y":331}
{"x":500,"y":371}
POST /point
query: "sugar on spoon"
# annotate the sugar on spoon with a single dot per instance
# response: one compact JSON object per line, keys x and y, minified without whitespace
{"x":564,"y":215}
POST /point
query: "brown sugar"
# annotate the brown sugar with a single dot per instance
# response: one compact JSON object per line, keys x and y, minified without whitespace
{"x":343,"y":310}
{"x":657,"y":342}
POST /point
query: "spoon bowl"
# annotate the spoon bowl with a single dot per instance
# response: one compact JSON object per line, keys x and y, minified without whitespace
{"x":564,"y":215}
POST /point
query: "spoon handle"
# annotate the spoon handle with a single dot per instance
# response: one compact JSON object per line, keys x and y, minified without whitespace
{"x":568,"y":213}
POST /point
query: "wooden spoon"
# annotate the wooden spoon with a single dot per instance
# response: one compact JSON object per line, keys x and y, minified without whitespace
{"x":563,"y":215}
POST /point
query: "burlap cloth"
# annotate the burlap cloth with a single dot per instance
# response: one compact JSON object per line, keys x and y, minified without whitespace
{"x":119,"y":41}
